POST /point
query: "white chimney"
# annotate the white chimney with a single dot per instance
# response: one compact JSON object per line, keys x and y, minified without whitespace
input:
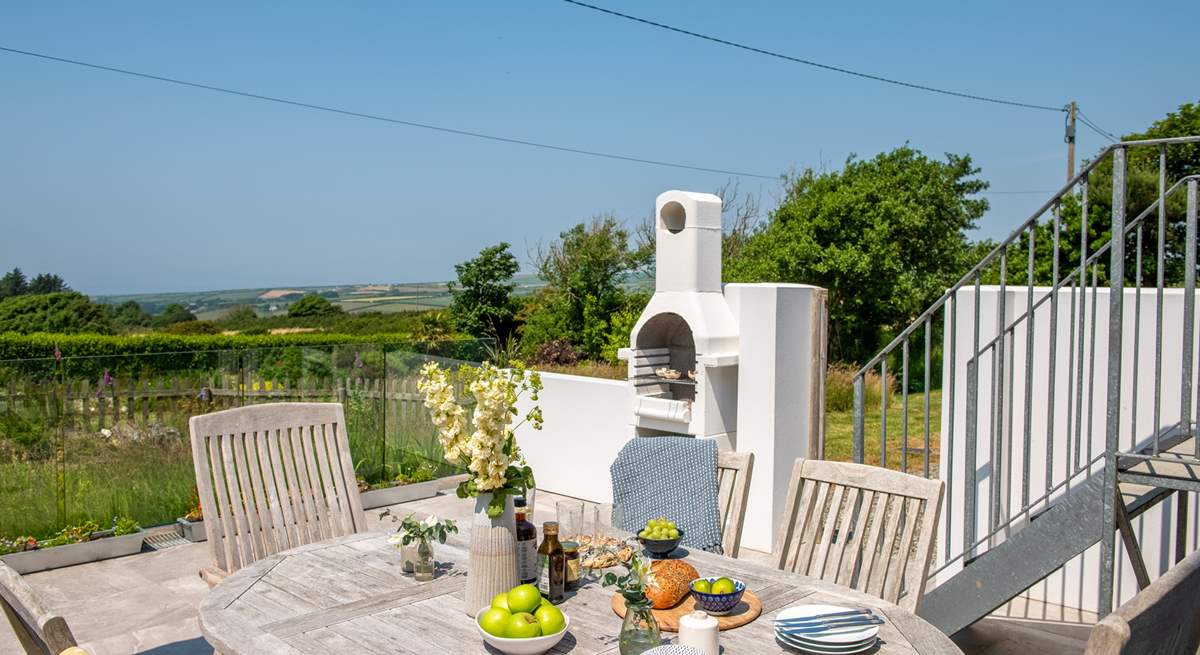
{"x":687,"y":242}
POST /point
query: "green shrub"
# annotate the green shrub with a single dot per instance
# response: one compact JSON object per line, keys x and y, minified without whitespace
{"x":65,"y":312}
{"x":313,"y":305}
{"x":193,"y":327}
{"x":124,"y":525}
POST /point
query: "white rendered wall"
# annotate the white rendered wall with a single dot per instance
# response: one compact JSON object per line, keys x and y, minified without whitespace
{"x":1076,"y":585}
{"x":586,"y":424}
{"x":781,"y":392}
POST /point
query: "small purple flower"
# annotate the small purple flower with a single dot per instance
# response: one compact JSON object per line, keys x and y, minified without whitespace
{"x":203,"y":395}
{"x":108,"y":379}
{"x":57,"y":355}
{"x":99,"y":394}
{"x":358,"y":362}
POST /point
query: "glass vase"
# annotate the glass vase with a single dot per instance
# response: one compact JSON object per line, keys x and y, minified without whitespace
{"x":408,"y":555}
{"x":423,"y":561}
{"x":639,"y":630}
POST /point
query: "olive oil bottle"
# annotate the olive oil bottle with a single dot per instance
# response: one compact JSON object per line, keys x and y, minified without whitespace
{"x":553,"y":560}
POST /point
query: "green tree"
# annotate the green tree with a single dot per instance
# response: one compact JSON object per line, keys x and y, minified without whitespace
{"x":885,"y":236}
{"x":241,"y":317}
{"x":47,"y":283}
{"x":482,"y":303}
{"x":64,"y":312}
{"x":13,"y":284}
{"x":173,"y":313}
{"x":313,"y":305}
{"x":1141,"y":193}
{"x":583,"y":272}
{"x":130,"y":314}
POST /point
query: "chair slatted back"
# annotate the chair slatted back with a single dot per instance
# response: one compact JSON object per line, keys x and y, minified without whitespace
{"x":733,"y":487}
{"x":39,"y":631}
{"x":273,"y":477}
{"x":1162,"y":619}
{"x":861,"y":526}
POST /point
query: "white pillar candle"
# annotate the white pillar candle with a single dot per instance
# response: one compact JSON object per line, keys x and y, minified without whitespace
{"x":699,"y":630}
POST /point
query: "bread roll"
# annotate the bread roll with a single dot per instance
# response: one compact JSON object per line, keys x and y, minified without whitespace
{"x":672,"y":582}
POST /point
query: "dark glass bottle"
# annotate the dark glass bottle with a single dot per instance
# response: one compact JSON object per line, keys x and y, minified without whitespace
{"x":553,"y":559}
{"x":527,"y":555}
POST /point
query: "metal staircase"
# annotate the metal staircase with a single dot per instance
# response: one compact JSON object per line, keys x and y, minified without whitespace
{"x":1068,"y":407}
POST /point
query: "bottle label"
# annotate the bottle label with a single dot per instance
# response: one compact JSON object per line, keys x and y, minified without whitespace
{"x":543,"y":583}
{"x":527,"y":561}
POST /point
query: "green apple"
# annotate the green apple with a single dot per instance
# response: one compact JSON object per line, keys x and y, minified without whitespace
{"x":551,"y":619}
{"x":502,"y":601}
{"x":545,"y":602}
{"x":522,"y":625}
{"x":524,"y":598}
{"x":703,"y":586}
{"x":495,"y":621}
{"x":723,"y":586}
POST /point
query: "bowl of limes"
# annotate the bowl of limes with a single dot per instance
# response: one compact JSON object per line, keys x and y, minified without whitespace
{"x":660,"y":537}
{"x":717,"y":596}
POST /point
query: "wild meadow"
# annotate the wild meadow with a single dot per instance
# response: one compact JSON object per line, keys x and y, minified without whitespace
{"x":78,"y":450}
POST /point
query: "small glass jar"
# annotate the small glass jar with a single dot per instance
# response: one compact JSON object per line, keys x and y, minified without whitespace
{"x":639,"y":630}
{"x":423,"y":563}
{"x":571,"y":551}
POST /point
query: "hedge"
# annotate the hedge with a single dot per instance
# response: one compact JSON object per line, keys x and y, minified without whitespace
{"x":89,"y":355}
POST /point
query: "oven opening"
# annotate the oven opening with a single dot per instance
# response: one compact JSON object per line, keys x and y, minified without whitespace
{"x":666,"y":359}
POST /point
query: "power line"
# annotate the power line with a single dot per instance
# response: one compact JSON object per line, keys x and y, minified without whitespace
{"x":386,"y":119}
{"x":1099,"y":130}
{"x":807,"y":62}
{"x":397,"y":121}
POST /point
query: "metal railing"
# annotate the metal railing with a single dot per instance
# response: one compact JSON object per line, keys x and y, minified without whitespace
{"x":997,"y":358}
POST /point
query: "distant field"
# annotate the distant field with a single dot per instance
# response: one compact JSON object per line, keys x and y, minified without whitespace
{"x":354,"y":298}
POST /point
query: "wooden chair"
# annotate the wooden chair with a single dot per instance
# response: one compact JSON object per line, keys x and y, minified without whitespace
{"x":733,"y":486}
{"x":861,"y":526}
{"x":1163,"y":618}
{"x":39,"y":631}
{"x":272,"y":477}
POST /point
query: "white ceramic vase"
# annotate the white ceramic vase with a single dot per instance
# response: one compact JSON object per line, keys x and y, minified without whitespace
{"x":493,"y":566}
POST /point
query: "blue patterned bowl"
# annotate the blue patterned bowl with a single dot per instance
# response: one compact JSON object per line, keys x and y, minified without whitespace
{"x":718,"y":604}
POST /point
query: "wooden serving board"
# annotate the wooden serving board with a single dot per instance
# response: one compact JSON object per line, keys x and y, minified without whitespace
{"x":746,"y":611}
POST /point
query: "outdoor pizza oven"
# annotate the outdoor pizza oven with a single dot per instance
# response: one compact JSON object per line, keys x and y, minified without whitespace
{"x":683,"y":350}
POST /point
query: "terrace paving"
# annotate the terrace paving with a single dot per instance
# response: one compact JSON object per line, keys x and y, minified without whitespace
{"x":147,"y":603}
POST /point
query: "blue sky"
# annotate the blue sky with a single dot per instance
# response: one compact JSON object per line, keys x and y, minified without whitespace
{"x":126,"y":185}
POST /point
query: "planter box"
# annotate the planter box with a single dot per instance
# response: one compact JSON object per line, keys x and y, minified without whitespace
{"x":42,"y":559}
{"x":408,"y":492}
{"x":193,"y":531}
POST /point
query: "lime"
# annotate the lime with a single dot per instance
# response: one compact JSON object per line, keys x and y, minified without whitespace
{"x":723,"y":586}
{"x":703,"y":586}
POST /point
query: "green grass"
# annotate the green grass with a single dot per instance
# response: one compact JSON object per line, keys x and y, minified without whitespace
{"x":100,"y":480}
{"x":839,"y":432}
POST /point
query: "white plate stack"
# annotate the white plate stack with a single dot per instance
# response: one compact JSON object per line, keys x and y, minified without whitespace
{"x":827,"y":629}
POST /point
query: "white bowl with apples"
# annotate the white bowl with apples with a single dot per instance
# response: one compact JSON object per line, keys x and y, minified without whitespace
{"x":536,"y":626}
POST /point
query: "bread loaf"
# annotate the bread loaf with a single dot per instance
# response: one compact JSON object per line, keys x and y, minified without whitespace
{"x":671,"y":584}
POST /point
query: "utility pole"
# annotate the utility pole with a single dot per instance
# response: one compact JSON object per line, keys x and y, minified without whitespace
{"x":1070,"y":139}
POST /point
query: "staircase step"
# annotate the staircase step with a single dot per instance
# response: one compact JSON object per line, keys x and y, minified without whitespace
{"x":1069,"y":527}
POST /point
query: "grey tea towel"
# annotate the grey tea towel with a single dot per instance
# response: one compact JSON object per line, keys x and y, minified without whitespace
{"x":675,"y":477}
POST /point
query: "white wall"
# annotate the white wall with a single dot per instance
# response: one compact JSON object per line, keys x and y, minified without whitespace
{"x":781,"y":393}
{"x":586,"y":424}
{"x":1076,"y":585}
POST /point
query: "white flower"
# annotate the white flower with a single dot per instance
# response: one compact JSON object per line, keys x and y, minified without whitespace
{"x":430,"y":521}
{"x":396,"y":540}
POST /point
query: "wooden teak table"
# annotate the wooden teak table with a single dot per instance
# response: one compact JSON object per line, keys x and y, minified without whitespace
{"x":348,"y":595}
